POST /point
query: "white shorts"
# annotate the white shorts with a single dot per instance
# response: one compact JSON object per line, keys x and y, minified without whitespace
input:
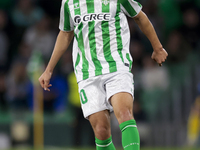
{"x":96,"y":91}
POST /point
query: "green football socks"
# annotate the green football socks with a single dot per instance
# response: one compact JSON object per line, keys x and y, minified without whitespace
{"x":105,"y":144}
{"x":130,"y":135}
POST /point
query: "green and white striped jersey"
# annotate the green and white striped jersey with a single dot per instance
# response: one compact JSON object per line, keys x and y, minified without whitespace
{"x":102,"y":37}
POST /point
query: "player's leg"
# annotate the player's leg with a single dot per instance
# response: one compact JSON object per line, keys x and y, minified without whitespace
{"x":123,"y":108}
{"x":100,"y":123}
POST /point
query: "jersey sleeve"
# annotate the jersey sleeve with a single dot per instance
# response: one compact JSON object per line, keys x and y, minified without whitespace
{"x":130,"y":7}
{"x":66,"y":22}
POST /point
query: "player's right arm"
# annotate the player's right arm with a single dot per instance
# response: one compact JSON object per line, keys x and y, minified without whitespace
{"x":62,"y":43}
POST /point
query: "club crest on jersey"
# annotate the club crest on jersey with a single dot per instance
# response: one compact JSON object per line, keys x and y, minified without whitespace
{"x":105,"y":2}
{"x":76,"y":5}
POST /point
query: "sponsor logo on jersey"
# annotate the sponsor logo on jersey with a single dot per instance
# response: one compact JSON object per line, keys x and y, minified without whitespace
{"x":105,"y":2}
{"x":92,"y":17}
{"x":77,"y":19}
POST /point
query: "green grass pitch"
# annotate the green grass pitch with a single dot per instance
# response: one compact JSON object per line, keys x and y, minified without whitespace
{"x":141,"y":149}
{"x":54,"y":148}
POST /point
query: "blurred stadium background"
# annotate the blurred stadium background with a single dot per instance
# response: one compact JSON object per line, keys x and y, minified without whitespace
{"x":167,"y":102}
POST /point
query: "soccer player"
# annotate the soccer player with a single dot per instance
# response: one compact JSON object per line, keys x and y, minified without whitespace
{"x":102,"y":63}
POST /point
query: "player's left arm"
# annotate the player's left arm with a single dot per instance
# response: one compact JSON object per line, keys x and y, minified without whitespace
{"x":159,"y":54}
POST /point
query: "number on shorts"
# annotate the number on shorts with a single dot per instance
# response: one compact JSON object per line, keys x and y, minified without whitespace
{"x":83,"y":97}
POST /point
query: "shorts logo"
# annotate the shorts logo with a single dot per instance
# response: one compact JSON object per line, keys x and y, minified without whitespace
{"x":92,"y":17}
{"x":105,"y":2}
{"x":77,"y":19}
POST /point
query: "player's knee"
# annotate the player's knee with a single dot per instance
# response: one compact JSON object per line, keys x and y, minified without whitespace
{"x":102,"y":132}
{"x":102,"y":129}
{"x":124,"y":115}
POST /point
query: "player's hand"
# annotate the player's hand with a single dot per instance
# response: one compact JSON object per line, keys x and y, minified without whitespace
{"x":45,"y":79}
{"x":159,"y":56}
